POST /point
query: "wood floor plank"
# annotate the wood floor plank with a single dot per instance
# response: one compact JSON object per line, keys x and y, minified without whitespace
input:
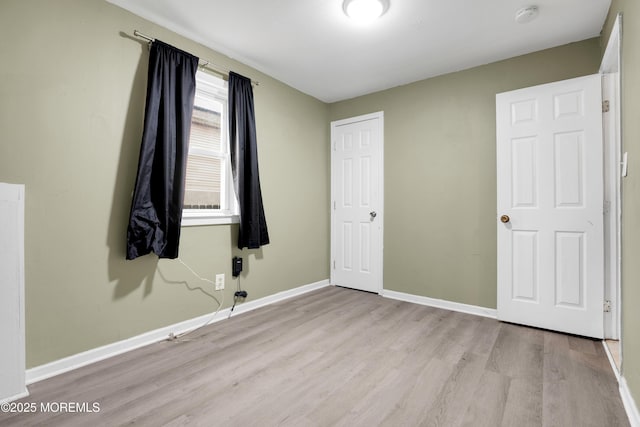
{"x":420,"y":394}
{"x":518,"y":352}
{"x":523,"y":407}
{"x":339,"y":357}
{"x":488,"y":402}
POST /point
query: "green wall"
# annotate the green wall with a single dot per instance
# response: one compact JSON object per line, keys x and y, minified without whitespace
{"x":630,"y":187}
{"x":72,"y":89}
{"x":440,"y":171}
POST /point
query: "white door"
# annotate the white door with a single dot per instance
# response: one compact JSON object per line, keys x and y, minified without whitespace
{"x":550,"y":206}
{"x":356,"y":194}
{"x":12,"y":359}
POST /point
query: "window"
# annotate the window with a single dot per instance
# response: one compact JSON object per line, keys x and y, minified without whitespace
{"x":209,"y":197}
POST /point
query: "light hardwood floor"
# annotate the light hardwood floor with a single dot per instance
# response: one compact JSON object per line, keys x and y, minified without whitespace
{"x":346,"y":358}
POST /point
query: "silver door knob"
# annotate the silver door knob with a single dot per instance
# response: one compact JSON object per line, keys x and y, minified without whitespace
{"x":373,"y":214}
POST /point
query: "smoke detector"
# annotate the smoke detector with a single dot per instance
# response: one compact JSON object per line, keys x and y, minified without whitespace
{"x":527,"y":14}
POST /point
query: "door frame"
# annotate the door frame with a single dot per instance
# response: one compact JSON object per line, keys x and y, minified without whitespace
{"x":611,"y":70}
{"x":378,"y":257}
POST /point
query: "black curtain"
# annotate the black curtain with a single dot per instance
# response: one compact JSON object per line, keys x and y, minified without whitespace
{"x":244,"y":161}
{"x":156,"y":209}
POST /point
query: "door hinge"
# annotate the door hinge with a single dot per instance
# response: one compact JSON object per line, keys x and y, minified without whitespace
{"x":334,"y":264}
{"x":607,"y":306}
{"x":606,"y":207}
{"x":605,"y":106}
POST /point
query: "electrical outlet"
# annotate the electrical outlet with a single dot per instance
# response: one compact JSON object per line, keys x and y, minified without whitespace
{"x":219,"y":282}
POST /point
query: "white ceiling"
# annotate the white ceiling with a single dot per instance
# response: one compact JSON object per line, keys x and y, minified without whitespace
{"x":311,"y":46}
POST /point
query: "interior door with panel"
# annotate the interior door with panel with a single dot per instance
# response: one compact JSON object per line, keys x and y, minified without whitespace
{"x":550,"y":206}
{"x":356,"y":194}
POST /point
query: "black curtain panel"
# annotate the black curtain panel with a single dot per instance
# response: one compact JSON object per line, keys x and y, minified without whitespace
{"x":156,"y":209}
{"x":244,"y":161}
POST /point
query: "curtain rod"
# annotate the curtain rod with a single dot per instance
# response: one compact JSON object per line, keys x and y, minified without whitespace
{"x":203,"y":62}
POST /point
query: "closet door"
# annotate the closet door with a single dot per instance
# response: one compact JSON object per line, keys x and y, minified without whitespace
{"x":550,"y":206}
{"x":12,"y":350}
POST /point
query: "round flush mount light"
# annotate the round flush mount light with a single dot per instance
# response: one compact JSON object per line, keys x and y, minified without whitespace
{"x":365,"y":10}
{"x":526,"y":14}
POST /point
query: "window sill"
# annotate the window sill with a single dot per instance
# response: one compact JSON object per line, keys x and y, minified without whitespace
{"x":200,"y":220}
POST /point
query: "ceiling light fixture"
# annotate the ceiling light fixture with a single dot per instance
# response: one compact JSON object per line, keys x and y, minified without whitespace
{"x":526,"y":14}
{"x":365,"y":10}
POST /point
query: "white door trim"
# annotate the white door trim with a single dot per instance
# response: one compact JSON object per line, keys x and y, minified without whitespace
{"x":610,"y":68}
{"x":377,"y":257}
{"x":12,"y":326}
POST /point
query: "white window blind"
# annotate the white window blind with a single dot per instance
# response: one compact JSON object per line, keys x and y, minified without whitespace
{"x":208,"y":189}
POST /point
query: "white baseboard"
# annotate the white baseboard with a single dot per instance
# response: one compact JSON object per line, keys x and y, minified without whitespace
{"x":280,"y":296}
{"x":629,"y":403}
{"x":70,"y":363}
{"x":439,"y":303}
{"x":25,"y":393}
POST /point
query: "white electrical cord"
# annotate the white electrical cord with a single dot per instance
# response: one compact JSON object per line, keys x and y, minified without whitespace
{"x":173,"y":337}
{"x":196,"y":274}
